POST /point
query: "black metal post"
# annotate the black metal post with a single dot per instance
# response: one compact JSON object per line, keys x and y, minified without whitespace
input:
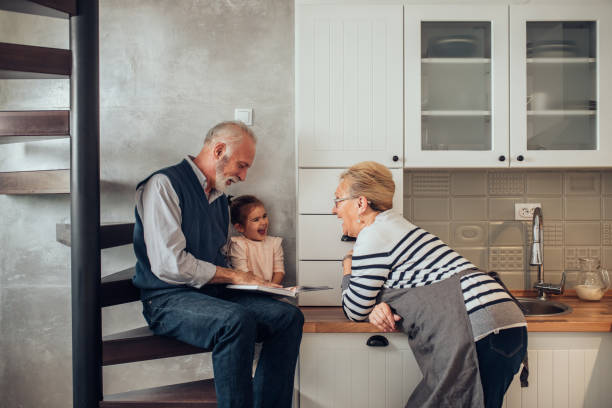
{"x":85,"y":207}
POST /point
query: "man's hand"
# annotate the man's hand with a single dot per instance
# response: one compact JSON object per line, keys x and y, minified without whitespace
{"x":249,"y":278}
{"x":383,"y":318}
{"x":227,"y":275}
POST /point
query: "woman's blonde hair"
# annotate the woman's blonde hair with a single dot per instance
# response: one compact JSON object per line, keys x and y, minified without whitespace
{"x":373,"y":181}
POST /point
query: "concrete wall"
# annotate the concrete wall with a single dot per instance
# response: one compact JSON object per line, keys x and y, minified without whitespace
{"x":169,"y":69}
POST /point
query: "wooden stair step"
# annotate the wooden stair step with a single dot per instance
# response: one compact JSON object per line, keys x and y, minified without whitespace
{"x":49,"y":8}
{"x":118,"y":288}
{"x":30,"y":62}
{"x":111,"y":235}
{"x":140,"y":345}
{"x":196,"y":394}
{"x":28,"y":126}
{"x":35,"y":182}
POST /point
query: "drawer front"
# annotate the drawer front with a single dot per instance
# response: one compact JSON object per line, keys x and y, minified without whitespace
{"x":319,"y":238}
{"x":316,"y":188}
{"x":318,"y":273}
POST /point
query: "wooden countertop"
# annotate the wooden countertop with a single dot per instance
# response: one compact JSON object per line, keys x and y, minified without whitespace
{"x":585,"y":317}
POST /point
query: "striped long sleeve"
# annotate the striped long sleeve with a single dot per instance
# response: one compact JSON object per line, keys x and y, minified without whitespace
{"x":393,"y":253}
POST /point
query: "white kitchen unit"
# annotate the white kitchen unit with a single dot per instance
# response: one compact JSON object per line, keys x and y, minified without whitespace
{"x":560,"y":86}
{"x":567,"y":370}
{"x":349,"y":99}
{"x":456,"y":81}
{"x":457,"y":86}
{"x":319,"y":246}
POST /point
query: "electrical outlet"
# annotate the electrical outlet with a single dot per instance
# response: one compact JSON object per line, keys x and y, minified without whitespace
{"x":524,"y":211}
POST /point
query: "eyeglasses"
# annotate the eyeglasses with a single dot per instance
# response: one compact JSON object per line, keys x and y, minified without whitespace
{"x":339,"y":200}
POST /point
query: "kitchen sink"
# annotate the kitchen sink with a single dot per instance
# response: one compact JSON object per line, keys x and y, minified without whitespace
{"x":537,"y":307}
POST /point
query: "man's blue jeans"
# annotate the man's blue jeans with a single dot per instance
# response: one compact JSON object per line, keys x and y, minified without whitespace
{"x":231,"y":322}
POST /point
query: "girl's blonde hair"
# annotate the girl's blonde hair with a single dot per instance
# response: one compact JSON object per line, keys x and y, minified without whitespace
{"x":373,"y":181}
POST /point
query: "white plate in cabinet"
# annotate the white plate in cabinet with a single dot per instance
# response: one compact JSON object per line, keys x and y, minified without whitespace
{"x":319,"y":238}
{"x":317,"y":273}
{"x":340,"y":370}
{"x":349,"y":73}
{"x":316,"y":188}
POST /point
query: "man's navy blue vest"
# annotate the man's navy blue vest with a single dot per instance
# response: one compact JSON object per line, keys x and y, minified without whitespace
{"x":204,"y":225}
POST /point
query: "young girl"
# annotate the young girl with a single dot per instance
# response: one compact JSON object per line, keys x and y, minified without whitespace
{"x":255,"y":251}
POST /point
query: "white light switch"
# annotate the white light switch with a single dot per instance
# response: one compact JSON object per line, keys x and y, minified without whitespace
{"x":244,"y":115}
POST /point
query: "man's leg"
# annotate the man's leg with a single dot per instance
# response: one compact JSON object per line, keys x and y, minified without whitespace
{"x":279,"y":327}
{"x":205,"y":321}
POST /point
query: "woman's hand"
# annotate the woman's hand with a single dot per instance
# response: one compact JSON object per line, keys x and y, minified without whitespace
{"x":383,"y":318}
{"x":347,"y":263}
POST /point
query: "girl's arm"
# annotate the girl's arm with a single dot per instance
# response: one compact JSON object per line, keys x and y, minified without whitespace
{"x":238,"y":255}
{"x":278,"y":268}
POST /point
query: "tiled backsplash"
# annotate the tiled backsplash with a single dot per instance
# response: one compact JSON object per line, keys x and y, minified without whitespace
{"x":473,"y":211}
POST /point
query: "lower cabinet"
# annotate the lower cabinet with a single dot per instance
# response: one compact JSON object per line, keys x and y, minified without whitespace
{"x":339,"y":370}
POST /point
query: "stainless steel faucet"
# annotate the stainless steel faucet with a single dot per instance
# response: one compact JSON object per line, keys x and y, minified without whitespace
{"x":537,"y":258}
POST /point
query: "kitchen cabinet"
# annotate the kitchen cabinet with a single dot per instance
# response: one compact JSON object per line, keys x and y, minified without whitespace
{"x":319,"y":246}
{"x":340,"y":370}
{"x":560,"y":86}
{"x":349,"y":70}
{"x":458,"y":86}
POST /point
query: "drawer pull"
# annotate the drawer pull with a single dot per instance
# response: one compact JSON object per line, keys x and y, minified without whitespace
{"x":377,"y":341}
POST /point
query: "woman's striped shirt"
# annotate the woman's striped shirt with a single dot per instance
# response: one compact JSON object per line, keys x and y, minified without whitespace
{"x":393,"y":253}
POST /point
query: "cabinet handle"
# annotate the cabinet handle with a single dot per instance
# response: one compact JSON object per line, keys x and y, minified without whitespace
{"x":395,"y":158}
{"x":346,"y":238}
{"x":502,"y":158}
{"x":377,"y":341}
{"x":520,"y":157}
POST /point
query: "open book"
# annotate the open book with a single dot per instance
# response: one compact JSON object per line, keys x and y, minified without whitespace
{"x":291,"y":291}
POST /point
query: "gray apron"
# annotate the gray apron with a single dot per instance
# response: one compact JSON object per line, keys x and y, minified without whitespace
{"x":440,"y":335}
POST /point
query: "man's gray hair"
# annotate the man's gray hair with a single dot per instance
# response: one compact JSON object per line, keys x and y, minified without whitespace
{"x":230,"y":132}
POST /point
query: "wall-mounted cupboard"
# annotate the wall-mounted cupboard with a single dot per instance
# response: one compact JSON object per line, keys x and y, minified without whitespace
{"x":487,"y":86}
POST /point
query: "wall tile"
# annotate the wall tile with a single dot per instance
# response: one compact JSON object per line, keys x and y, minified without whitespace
{"x":468,"y":208}
{"x":430,"y":183}
{"x":553,"y":259}
{"x":607,"y":182}
{"x":513,"y":279}
{"x":552,"y":236}
{"x":606,"y":233}
{"x":407,"y":184}
{"x":582,"y":208}
{"x":439,"y":229}
{"x":477,"y":256}
{"x":464,"y":234}
{"x":552,"y":207}
{"x":469,"y":183}
{"x":544,"y":183}
{"x":582,"y":183}
{"x":607,"y":208}
{"x":573,"y":253}
{"x":607,"y":259}
{"x":502,"y":208}
{"x":506,"y":258}
{"x":582,"y":233}
{"x":408,"y":208}
{"x":506,"y":183}
{"x":430,"y":209}
{"x":509,"y":233}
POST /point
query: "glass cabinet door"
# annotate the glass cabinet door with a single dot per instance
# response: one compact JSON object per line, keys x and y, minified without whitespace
{"x":557,"y":68}
{"x":455,"y":111}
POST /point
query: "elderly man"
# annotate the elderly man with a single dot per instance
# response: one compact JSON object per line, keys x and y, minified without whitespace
{"x":182,"y":221}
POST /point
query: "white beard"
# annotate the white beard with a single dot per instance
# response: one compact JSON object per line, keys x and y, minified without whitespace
{"x":220,"y":178}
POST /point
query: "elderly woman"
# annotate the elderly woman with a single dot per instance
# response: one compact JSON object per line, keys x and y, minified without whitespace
{"x":467,"y":334}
